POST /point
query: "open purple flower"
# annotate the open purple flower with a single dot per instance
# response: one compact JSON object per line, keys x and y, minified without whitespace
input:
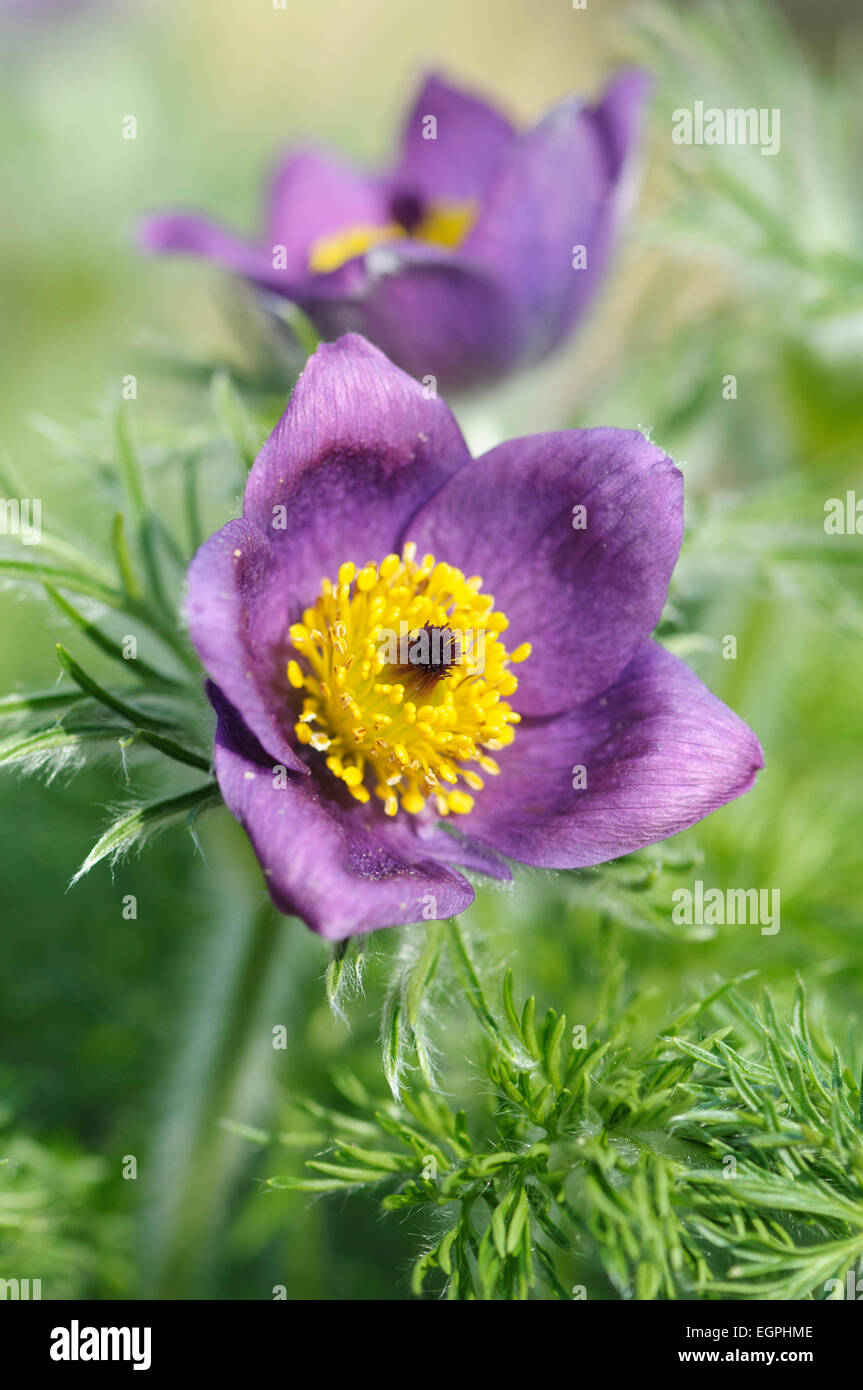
{"x":419,"y":660}
{"x":476,"y":254}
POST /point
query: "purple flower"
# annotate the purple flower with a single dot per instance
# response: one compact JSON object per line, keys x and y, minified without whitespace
{"x":475,"y":255}
{"x":419,"y":660}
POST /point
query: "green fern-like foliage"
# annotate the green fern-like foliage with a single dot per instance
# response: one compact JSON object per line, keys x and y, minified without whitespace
{"x":61,"y":1233}
{"x":723,"y":1159}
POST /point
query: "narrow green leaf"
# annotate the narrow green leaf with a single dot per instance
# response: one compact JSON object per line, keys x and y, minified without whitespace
{"x":172,"y":749}
{"x":38,"y":701}
{"x":39,"y":746}
{"x":31,"y":572}
{"x":123,"y":558}
{"x":129,"y":464}
{"x":136,"y":825}
{"x":232,"y":415}
{"x":499,"y":1224}
{"x":528,"y":1030}
{"x":520,"y":1214}
{"x":98,"y":692}
{"x":137,"y":667}
{"x":391,"y":1039}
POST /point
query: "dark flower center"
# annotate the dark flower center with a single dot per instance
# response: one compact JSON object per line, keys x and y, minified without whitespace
{"x":431,"y":653}
{"x":407,"y":209}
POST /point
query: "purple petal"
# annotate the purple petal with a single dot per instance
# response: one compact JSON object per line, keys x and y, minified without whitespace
{"x":450,"y":846}
{"x":313,"y":195}
{"x":660,"y":753}
{"x":197,"y":236}
{"x":336,"y":868}
{"x":429,"y":310}
{"x":560,"y":188}
{"x":584,"y":598}
{"x":357,"y":451}
{"x":471,"y":140}
{"x":237,"y":621}
{"x":619,"y":116}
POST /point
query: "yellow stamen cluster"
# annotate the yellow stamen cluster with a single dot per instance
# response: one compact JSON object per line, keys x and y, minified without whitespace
{"x":444,"y":224}
{"x":392,"y":726}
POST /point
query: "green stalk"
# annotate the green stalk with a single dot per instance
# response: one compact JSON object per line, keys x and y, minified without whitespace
{"x":225,"y":1067}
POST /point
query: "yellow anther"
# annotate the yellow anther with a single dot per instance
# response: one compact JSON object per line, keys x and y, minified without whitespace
{"x":331,"y":252}
{"x":444,"y":222}
{"x":414,"y":724}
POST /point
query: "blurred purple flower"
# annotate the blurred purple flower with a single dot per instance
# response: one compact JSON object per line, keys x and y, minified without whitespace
{"x":365,"y":519}
{"x":476,"y":254}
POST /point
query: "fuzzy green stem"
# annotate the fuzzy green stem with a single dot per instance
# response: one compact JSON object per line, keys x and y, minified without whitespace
{"x":473,"y":986}
{"x":225,"y":1068}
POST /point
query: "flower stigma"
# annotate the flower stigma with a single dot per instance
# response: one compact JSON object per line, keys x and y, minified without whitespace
{"x":406,"y":682}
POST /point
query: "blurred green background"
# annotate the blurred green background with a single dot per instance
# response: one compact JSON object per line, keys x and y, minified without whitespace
{"x":732,"y":263}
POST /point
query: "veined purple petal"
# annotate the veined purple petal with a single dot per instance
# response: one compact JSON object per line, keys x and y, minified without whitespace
{"x":469,"y":140}
{"x":658,"y":750}
{"x":238,"y":623}
{"x":558,"y":191}
{"x":450,"y":846}
{"x":585,"y":588}
{"x":358,"y":450}
{"x":336,"y":868}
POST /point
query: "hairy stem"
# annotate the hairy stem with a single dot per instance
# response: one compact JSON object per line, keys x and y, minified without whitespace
{"x":224,"y":1068}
